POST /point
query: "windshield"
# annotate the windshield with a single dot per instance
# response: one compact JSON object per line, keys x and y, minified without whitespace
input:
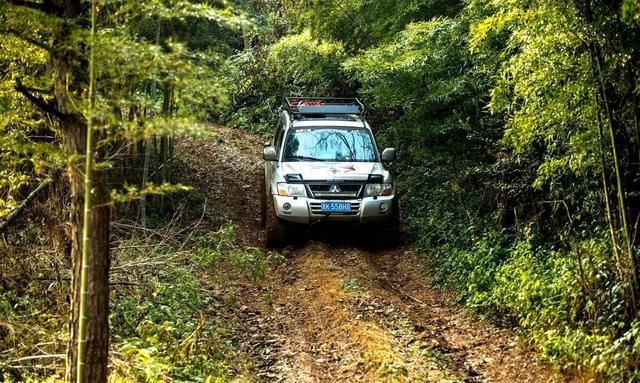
{"x":329,"y":144}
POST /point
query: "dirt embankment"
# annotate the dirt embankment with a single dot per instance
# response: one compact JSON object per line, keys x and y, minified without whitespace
{"x":341,"y":312}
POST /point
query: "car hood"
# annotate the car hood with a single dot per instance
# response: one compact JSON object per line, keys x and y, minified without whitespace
{"x":312,"y":171}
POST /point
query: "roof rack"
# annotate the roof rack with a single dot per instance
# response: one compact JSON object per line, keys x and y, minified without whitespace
{"x":310,"y":106}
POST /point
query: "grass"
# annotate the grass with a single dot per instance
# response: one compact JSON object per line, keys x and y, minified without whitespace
{"x":169,"y":326}
{"x":243,"y":145}
{"x":353,"y":287}
{"x":34,"y":281}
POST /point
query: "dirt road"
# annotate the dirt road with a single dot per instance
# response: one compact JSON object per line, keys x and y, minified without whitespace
{"x":338,"y":311}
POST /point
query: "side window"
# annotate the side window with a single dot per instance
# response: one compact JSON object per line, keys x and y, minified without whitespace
{"x":275,"y":137}
{"x":279,"y":139}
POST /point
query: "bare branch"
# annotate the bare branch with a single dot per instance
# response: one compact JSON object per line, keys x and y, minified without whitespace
{"x":44,"y":105}
{"x":24,"y":203}
{"x":47,"y":6}
{"x":39,"y":90}
{"x":33,"y":357}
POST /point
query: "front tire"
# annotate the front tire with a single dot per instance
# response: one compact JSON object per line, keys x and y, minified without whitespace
{"x":275,"y":228}
{"x":389,"y":231}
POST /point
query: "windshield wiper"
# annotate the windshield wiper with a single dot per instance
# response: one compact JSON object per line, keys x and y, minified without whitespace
{"x":305,"y":158}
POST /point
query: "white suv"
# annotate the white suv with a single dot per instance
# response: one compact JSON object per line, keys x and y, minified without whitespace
{"x":323,"y":165}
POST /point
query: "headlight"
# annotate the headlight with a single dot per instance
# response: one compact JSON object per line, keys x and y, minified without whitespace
{"x":374,"y":190}
{"x":292,"y":190}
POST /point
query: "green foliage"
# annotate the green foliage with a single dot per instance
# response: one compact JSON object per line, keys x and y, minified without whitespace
{"x":24,"y":156}
{"x":546,"y":88}
{"x":163,"y":333}
{"x":570,"y":303}
{"x":631,"y":11}
{"x":411,"y":76}
{"x":32,"y":302}
{"x":219,"y":247}
{"x":253,"y":98}
{"x":192,"y":43}
{"x":364,"y":23}
{"x":259,"y":80}
{"x":353,"y":286}
{"x":408,"y":72}
{"x":298,"y":62}
{"x":173,"y":46}
{"x":132,"y":192}
{"x":168,"y":292}
{"x":125,"y":60}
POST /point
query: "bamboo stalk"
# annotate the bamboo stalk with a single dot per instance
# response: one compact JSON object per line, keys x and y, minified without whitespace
{"x":620,"y":194}
{"x":629,"y":265}
{"x":86,"y":224}
{"x":609,"y":214}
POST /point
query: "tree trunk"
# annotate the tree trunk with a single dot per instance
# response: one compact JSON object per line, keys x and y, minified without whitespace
{"x":167,"y":91}
{"x":147,"y":147}
{"x":71,"y":80}
{"x":98,"y":275}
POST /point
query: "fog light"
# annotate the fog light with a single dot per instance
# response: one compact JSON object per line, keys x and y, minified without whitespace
{"x":384,"y":207}
{"x":286,"y":206}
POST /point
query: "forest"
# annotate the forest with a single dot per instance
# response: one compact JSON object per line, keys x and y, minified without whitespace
{"x":128,"y":136}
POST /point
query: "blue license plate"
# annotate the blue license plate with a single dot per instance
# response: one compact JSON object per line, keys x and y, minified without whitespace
{"x":335,"y":207}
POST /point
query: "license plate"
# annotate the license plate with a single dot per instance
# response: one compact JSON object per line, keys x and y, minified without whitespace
{"x":335,"y":207}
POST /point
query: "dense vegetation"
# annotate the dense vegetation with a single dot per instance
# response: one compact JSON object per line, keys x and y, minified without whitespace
{"x":517,"y":123}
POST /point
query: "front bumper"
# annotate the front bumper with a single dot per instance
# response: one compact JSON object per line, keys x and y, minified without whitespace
{"x":307,"y":210}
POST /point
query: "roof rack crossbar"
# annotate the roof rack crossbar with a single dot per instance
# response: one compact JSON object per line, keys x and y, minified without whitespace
{"x":324,"y":106}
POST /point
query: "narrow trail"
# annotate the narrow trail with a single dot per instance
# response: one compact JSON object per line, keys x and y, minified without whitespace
{"x":339,"y":311}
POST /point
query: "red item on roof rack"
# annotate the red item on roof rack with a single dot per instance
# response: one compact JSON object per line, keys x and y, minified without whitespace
{"x":310,"y":103}
{"x":324,"y":106}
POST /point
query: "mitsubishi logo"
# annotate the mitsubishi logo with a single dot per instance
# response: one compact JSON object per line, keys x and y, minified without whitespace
{"x":335,"y":189}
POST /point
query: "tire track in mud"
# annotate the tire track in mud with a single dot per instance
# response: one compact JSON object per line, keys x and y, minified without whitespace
{"x":332,"y":334}
{"x":349,"y":314}
{"x":477,"y":350}
{"x":340,"y":312}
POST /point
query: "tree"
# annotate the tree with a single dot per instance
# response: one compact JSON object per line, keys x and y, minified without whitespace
{"x":121,"y":61}
{"x":64,"y":20}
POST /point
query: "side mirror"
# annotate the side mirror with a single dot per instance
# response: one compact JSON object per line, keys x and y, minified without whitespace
{"x":388,"y":155}
{"x":269,"y":154}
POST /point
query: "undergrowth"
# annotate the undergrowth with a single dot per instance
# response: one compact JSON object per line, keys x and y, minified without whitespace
{"x":563,"y":299}
{"x":170,"y":290}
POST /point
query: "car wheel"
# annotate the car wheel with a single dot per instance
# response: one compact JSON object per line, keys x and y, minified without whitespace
{"x":389,"y":231}
{"x":275,"y":228}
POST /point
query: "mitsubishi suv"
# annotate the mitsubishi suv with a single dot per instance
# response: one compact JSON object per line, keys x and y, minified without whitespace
{"x":323,"y":164}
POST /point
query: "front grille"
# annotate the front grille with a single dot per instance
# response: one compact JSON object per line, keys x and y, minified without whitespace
{"x":315,"y":209}
{"x":335,"y":191}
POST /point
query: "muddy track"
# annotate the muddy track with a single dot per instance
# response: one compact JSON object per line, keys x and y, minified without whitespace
{"x":339,"y":311}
